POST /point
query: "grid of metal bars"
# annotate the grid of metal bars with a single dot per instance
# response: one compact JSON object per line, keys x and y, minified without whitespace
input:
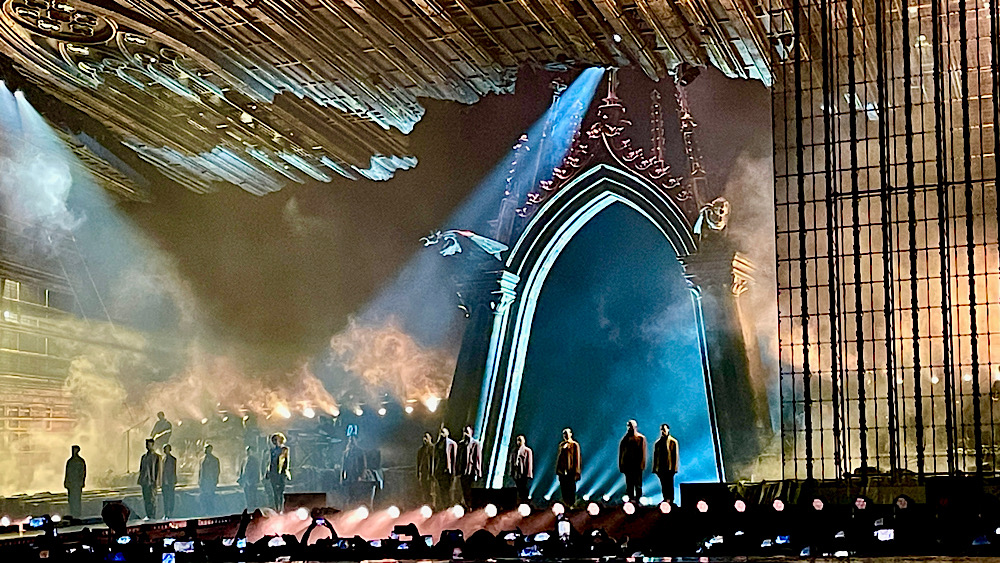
{"x":888,"y":254}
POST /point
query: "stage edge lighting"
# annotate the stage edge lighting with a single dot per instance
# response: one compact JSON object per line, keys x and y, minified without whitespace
{"x":593,"y":509}
{"x":524,"y":510}
{"x":426,"y":511}
{"x":558,"y":509}
{"x":490,"y":510}
{"x":393,"y":512}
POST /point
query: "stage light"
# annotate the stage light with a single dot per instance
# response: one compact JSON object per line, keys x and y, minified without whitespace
{"x":393,"y":512}
{"x":524,"y":510}
{"x":381,"y":411}
{"x":409,"y":409}
{"x":702,"y":506}
{"x":56,"y":518}
{"x":625,"y":498}
{"x":432,"y":403}
{"x":426,"y":511}
{"x":861,"y":503}
{"x":586,"y":496}
{"x":645,"y":501}
{"x":359,"y":411}
{"x":457,"y":511}
{"x":283,"y":411}
{"x":593,"y":509}
{"x":225,"y":419}
{"x":204,"y":421}
{"x":607,"y":497}
{"x":617,"y":38}
{"x":629,"y":508}
{"x":548,"y":496}
{"x":817,"y":504}
{"x":778,"y":504}
{"x":308,"y":412}
{"x":361,"y":512}
{"x":335,"y":413}
{"x":5,"y":521}
{"x":740,"y":506}
{"x":302,"y":514}
{"x":902,"y":503}
{"x":558,"y":509}
{"x":665,"y":507}
{"x":491,"y":510}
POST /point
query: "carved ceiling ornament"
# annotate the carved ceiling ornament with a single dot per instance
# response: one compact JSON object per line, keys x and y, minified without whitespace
{"x":179,"y":110}
{"x":607,"y":138}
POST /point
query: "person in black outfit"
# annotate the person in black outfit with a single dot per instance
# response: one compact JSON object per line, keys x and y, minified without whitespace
{"x":445,"y":460}
{"x":665,"y":461}
{"x":76,"y":476}
{"x":149,"y":478}
{"x":425,"y":464}
{"x":168,"y":483}
{"x":208,"y":480}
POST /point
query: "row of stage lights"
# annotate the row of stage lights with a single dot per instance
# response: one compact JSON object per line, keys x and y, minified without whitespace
{"x":490,"y":510}
{"x":283,"y":411}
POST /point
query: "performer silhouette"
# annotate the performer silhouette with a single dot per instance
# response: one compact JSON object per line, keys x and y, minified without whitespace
{"x":569,"y":465}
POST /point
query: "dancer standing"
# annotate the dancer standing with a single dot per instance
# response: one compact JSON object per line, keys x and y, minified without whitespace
{"x":632,"y":460}
{"x":569,"y":466}
{"x":666,"y":461}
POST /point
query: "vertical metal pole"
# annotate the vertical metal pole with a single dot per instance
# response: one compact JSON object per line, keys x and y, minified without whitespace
{"x":888,"y":275}
{"x":832,"y":232}
{"x":944,"y":233}
{"x":800,"y":178}
{"x":859,"y":319}
{"x":911,"y":225}
{"x":970,"y":243}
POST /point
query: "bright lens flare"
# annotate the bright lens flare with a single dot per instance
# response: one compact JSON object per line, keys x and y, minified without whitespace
{"x":432,"y":403}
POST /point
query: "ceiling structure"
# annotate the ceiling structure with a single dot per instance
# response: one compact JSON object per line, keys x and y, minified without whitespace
{"x":264,"y":93}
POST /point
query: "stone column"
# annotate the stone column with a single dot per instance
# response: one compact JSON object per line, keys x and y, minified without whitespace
{"x":485,"y":295}
{"x":718,"y":275}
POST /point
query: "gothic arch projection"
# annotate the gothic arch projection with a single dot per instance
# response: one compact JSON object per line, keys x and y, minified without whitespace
{"x":603,"y":168}
{"x":525,"y":271}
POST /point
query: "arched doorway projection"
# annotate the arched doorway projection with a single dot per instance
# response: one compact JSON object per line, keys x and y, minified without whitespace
{"x":538,"y":247}
{"x":614,"y":338}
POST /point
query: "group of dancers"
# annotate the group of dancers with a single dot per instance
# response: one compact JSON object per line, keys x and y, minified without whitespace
{"x":443,"y":461}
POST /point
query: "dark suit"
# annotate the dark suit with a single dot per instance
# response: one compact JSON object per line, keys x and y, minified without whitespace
{"x":149,"y":479}
{"x":208,"y":480}
{"x":169,"y":484}
{"x":249,"y":479}
{"x":569,"y":465}
{"x":445,"y":459}
{"x":665,"y":464}
{"x":76,"y":476}
{"x":425,"y":474}
{"x":469,"y":467}
{"x":522,"y":470}
{"x":632,"y":462}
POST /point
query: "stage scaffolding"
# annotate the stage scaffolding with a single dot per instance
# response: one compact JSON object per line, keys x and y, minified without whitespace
{"x":886,"y":202}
